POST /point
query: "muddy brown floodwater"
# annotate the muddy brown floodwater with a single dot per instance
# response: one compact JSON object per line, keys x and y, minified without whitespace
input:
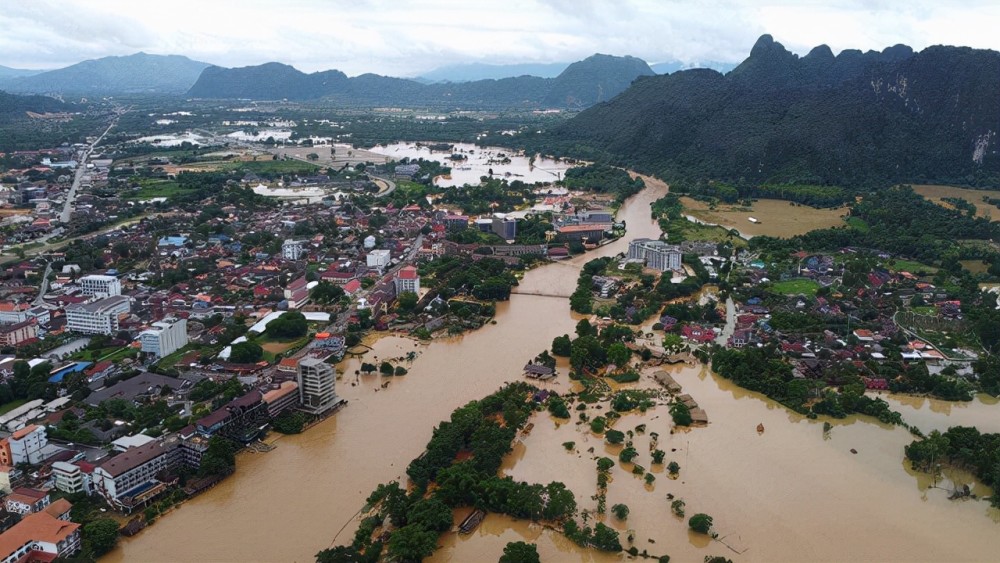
{"x":793,"y":493}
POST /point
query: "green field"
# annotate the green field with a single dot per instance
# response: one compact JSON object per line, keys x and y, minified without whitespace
{"x":272,"y":166}
{"x":157,"y":188}
{"x":795,"y":287}
{"x":910,"y":266}
{"x":858,"y":224}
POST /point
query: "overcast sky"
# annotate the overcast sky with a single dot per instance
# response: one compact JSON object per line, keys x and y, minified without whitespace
{"x":404,"y":38}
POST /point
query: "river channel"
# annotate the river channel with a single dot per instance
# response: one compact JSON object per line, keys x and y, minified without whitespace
{"x":793,"y":493}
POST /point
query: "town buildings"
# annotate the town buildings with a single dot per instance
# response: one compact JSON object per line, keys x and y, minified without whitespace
{"x":18,"y":333}
{"x":378,"y":259}
{"x":97,"y":317}
{"x":42,"y":536}
{"x":505,"y":228}
{"x":407,"y":279}
{"x":100,"y":285}
{"x":317,"y":386}
{"x":164,"y":337}
{"x":70,"y":478}
{"x":292,"y":249}
{"x":655,"y":254}
{"x":23,"y":446}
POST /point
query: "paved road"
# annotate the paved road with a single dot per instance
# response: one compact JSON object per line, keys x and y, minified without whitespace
{"x":730,"y":323}
{"x":45,"y":284}
{"x":67,"y":212}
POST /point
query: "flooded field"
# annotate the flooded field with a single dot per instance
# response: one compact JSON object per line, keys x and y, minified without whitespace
{"x":478,"y":162}
{"x":793,"y":493}
{"x":935,"y":193}
{"x":782,"y":495}
{"x":777,"y":218}
{"x":975,"y":266}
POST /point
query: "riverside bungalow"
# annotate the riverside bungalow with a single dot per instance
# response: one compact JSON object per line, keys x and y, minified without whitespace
{"x":539,"y":371}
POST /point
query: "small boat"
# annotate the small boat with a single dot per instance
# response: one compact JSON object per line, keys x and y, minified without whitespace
{"x":760,"y":428}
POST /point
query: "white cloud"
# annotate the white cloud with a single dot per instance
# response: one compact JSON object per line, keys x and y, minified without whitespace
{"x":405,"y":38}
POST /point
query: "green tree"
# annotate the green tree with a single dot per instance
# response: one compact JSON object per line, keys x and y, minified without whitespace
{"x":385,"y":368}
{"x":620,"y":511}
{"x":219,"y":458}
{"x":561,"y":346}
{"x":614,"y":436}
{"x":101,"y":535}
{"x":672,"y":343}
{"x":246,"y":353}
{"x":701,"y":523}
{"x":519,"y":552}
{"x":407,"y":301}
{"x":681,"y":414}
{"x":618,"y":354}
{"x":412,"y":543}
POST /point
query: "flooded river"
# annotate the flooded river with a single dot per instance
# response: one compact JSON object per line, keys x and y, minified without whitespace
{"x":792,"y":493}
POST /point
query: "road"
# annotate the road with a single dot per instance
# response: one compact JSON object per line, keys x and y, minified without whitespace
{"x":45,"y":284}
{"x":81,"y":169}
{"x":391,"y":186}
{"x":730,"y":323}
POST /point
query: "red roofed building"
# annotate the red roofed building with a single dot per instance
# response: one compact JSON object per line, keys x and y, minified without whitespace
{"x":40,"y":537}
{"x":407,"y":279}
{"x":696,"y":333}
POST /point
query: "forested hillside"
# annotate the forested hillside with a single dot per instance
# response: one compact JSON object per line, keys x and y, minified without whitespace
{"x":595,"y":79}
{"x":857,"y":120}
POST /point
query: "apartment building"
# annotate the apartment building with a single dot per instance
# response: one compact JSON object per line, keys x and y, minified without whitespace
{"x":97,"y":317}
{"x":164,"y":337}
{"x":317,"y":386}
{"x":100,"y":286}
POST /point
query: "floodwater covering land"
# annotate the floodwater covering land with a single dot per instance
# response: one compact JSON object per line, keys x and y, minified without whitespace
{"x":937,"y":193}
{"x":478,"y":161}
{"x":776,"y":218}
{"x":793,"y":493}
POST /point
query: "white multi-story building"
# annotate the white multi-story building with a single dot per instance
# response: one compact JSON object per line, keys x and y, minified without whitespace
{"x":97,"y":317}
{"x":70,"y":478}
{"x":26,"y":445}
{"x":134,"y":471}
{"x":407,"y":279}
{"x":292,"y":249}
{"x":100,"y":286}
{"x":379,"y":259}
{"x":317,"y":386}
{"x":655,"y":253}
{"x":164,"y":337}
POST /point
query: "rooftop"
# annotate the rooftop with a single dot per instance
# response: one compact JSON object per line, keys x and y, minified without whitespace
{"x":134,"y":457}
{"x":40,"y":526}
{"x":99,"y":306}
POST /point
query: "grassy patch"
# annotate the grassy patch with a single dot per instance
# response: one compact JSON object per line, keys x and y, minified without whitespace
{"x":12,"y":405}
{"x":910,"y":266}
{"x":795,"y":287}
{"x":157,"y":188}
{"x":858,"y":224}
{"x":274,"y":166}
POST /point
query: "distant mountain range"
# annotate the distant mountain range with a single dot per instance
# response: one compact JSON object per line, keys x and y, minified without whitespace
{"x":135,"y":74}
{"x":595,"y":79}
{"x":7,"y":72}
{"x":674,"y":66}
{"x":543,"y":85}
{"x":855,"y":119}
{"x":481,"y":71}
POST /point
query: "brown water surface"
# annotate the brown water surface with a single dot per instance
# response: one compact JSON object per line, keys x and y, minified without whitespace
{"x":793,"y":493}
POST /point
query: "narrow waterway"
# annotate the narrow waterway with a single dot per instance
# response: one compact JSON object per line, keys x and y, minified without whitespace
{"x":793,"y":493}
